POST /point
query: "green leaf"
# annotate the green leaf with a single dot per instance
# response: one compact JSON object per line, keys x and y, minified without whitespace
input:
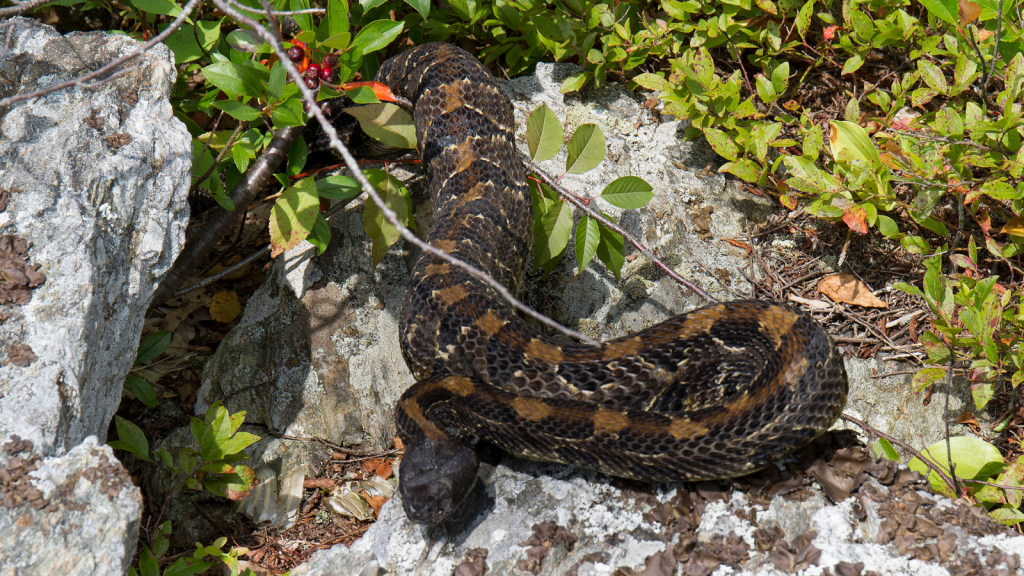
{"x":1007,"y":515}
{"x":377,"y":227}
{"x":305,"y":21}
{"x":887,"y":226}
{"x":130,"y":438}
{"x":338,"y":187}
{"x":153,"y":346}
{"x":237,"y":110}
{"x":883,"y":447}
{"x":237,"y":81}
{"x":142,"y":389}
{"x":552,"y":232}
{"x":628,"y":192}
{"x":588,"y":236}
{"x":183,"y":43}
{"x":289,"y":113}
{"x":946,"y":10}
{"x":852,"y":64}
{"x":652,"y":82}
{"x":165,"y":7}
{"x":926,"y":377}
{"x":297,"y":155}
{"x":974,"y":459}
{"x":932,"y":76}
{"x":292,"y":217}
{"x":387,"y":123}
{"x":544,"y":134}
{"x":421,"y":6}
{"x":278,"y":80}
{"x":722,"y":143}
{"x":363,"y":95}
{"x":376,"y":35}
{"x":240,"y":441}
{"x":586,"y":149}
{"x":187,"y":567}
{"x":850,"y":141}
{"x":574,"y":82}
{"x":320,"y":235}
{"x":612,"y":250}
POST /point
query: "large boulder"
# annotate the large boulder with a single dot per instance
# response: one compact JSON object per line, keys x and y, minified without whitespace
{"x":93,"y":186}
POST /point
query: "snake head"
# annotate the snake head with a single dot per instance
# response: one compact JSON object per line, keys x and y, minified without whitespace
{"x":436,"y":475}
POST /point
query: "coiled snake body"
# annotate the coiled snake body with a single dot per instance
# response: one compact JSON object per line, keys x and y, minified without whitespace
{"x":719,"y":392}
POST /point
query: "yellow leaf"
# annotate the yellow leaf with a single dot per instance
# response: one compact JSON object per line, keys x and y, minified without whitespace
{"x":847,"y":288}
{"x":225,"y":307}
{"x":1015,"y":226}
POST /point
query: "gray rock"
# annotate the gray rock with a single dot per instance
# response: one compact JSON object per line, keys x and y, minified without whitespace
{"x":84,"y":518}
{"x":98,"y":180}
{"x":613,"y":531}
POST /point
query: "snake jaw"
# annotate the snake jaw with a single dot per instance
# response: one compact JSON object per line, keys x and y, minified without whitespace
{"x":436,"y":476}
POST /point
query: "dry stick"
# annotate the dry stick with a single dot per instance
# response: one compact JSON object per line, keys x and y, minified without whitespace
{"x":945,"y":416}
{"x":576,"y":201}
{"x":242,"y":195}
{"x":353,"y":166}
{"x":20,"y":7}
{"x":110,"y":66}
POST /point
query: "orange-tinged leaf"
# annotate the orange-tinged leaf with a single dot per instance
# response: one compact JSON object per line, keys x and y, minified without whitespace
{"x":984,"y":220}
{"x":848,"y":289}
{"x":370,"y":466}
{"x":788,"y":201}
{"x":857,"y":219}
{"x":1015,"y":227}
{"x":384,"y":470}
{"x":398,"y":443}
{"x":375,"y":502}
{"x":382,"y":92}
{"x":224,"y":306}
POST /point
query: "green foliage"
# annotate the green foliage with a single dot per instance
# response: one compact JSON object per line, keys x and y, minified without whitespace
{"x":213,"y":467}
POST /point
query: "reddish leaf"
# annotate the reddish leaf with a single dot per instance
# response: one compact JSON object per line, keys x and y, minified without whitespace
{"x":788,"y":201}
{"x":857,"y":219}
{"x":382,"y":92}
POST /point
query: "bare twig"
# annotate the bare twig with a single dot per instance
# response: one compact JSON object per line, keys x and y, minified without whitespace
{"x":21,"y":7}
{"x":353,"y":166}
{"x":241,"y":6}
{"x":576,"y":201}
{"x":945,"y":416}
{"x":84,"y":80}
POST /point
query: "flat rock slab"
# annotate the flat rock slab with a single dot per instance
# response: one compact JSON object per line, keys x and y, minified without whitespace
{"x":96,"y":181}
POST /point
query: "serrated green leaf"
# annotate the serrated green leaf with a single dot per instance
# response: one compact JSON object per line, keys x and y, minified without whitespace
{"x":376,"y":35}
{"x":293,"y":215}
{"x":544,"y":134}
{"x":588,"y":236}
{"x":387,"y":123}
{"x":628,"y":192}
{"x":153,"y":346}
{"x":586,"y":149}
{"x":142,"y":390}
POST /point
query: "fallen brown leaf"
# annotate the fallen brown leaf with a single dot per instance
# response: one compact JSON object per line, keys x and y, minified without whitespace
{"x":225,"y":307}
{"x":384,"y":470}
{"x":848,"y":289}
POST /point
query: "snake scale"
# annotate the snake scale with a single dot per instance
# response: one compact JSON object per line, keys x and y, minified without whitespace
{"x":716,"y":393}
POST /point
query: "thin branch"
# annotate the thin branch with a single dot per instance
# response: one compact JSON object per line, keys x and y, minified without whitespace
{"x":241,"y":6}
{"x":20,"y":7}
{"x":578,"y":202}
{"x":83,"y":81}
{"x":353,"y":166}
{"x":995,"y":51}
{"x":945,"y":416}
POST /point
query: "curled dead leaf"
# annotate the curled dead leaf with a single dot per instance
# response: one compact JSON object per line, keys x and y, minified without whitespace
{"x":1015,"y":227}
{"x":848,"y":289}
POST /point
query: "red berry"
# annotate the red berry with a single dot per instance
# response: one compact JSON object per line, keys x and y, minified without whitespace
{"x":326,"y":73}
{"x":313,"y":71}
{"x":330,"y":61}
{"x":312,"y":83}
{"x":296,"y":54}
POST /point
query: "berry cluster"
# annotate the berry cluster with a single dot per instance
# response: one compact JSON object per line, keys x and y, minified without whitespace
{"x":315,"y":73}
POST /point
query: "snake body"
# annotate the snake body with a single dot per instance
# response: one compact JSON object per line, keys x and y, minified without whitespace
{"x":716,"y":393}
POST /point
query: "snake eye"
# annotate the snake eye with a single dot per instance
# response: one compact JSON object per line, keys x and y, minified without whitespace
{"x":434,"y":479}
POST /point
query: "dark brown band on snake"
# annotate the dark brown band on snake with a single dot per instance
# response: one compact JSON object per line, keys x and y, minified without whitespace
{"x":716,"y":393}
